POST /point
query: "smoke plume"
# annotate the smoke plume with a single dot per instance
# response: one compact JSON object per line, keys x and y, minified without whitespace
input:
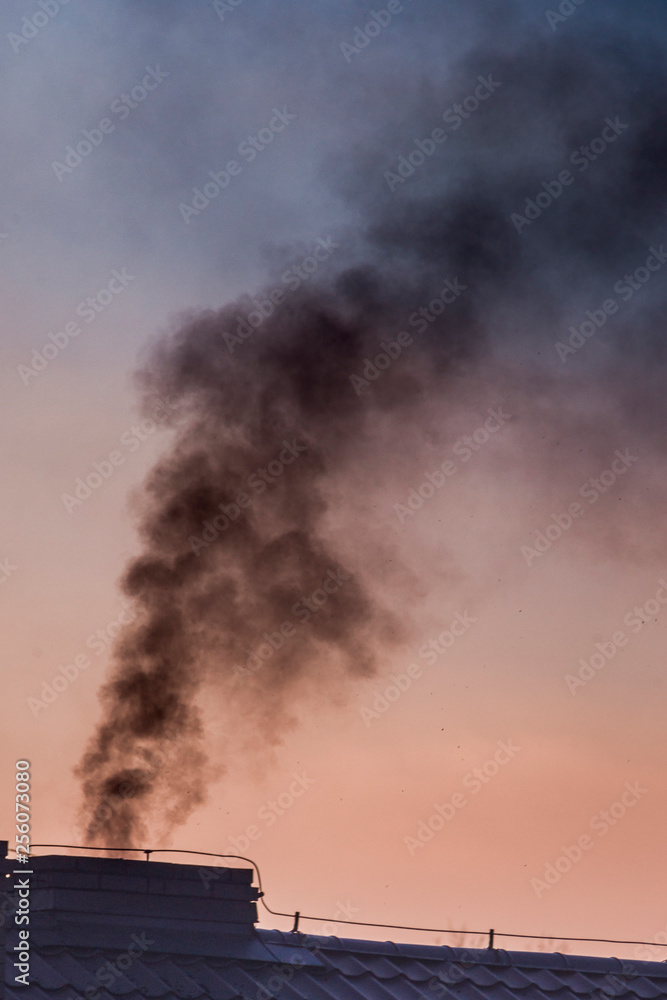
{"x":240,"y":586}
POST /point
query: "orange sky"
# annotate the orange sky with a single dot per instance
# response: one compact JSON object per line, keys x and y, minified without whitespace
{"x":375,"y":768}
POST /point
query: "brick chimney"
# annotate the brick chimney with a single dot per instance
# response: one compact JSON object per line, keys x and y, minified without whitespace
{"x":99,"y":902}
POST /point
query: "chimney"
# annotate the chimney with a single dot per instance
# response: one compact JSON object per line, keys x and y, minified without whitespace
{"x":99,"y":902}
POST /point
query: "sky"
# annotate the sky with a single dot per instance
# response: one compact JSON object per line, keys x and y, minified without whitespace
{"x":333,"y":527}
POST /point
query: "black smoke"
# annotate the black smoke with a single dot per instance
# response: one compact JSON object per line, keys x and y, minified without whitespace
{"x":216,"y":574}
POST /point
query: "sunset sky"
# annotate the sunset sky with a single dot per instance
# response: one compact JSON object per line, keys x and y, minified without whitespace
{"x":415,"y":274}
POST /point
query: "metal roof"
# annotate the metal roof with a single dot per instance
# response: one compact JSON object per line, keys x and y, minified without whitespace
{"x":105,"y":928}
{"x":305,"y":967}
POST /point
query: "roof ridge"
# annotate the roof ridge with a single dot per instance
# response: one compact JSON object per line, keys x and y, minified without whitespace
{"x":553,"y":961}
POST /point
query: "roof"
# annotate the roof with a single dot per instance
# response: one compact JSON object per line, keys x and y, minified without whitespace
{"x":105,"y":928}
{"x":344,"y":970}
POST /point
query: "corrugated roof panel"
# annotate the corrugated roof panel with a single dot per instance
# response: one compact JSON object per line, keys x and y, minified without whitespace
{"x":501,"y":992}
{"x":349,"y":965}
{"x":306,"y":986}
{"x":342,"y":970}
{"x":216,"y":978}
{"x":484,"y":976}
{"x":420,"y":972}
{"x":378,"y":965}
{"x":545,"y":981}
{"x":46,"y":974}
{"x":366,"y":987}
{"x":327,"y":986}
{"x":466,"y":990}
{"x":36,"y":993}
{"x":578,"y":983}
{"x":646,"y":989}
{"x":148,"y":979}
{"x":174,"y":973}
{"x":408,"y":989}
